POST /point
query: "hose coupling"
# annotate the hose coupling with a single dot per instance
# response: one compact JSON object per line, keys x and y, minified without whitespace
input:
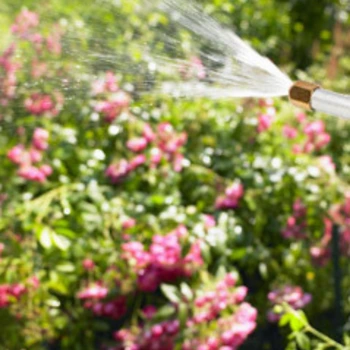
{"x":300,"y":94}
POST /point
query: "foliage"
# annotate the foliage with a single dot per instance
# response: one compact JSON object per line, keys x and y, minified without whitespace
{"x":132,"y":219}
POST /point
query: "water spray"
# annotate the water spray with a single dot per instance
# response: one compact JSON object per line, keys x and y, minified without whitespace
{"x":243,"y":72}
{"x":312,"y":97}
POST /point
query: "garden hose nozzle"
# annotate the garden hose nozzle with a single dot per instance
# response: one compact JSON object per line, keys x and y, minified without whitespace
{"x":312,"y":97}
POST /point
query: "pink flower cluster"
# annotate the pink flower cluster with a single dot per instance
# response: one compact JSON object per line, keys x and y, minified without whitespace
{"x":265,"y":118}
{"x":93,"y":296}
{"x":317,"y":138}
{"x":296,"y":224}
{"x":43,"y":105}
{"x":117,"y":172}
{"x":193,"y":69}
{"x":24,"y":24}
{"x":232,"y":196}
{"x":290,"y":132}
{"x":95,"y":291}
{"x":164,"y":144}
{"x":8,"y":76}
{"x":292,"y":295}
{"x":167,"y":144}
{"x":25,"y":27}
{"x":26,"y":159}
{"x":10,"y":293}
{"x":112,"y":100}
{"x":163,"y":261}
{"x":233,"y":330}
{"x":160,"y":336}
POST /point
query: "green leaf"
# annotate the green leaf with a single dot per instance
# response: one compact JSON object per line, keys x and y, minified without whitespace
{"x":60,"y":242}
{"x":66,"y":267}
{"x":295,"y":323}
{"x":285,"y":319}
{"x":164,"y":313}
{"x":303,"y":341}
{"x":263,"y":270}
{"x":183,"y":314}
{"x":186,"y":291}
{"x":45,"y":237}
{"x":170,"y":292}
{"x":302,"y":317}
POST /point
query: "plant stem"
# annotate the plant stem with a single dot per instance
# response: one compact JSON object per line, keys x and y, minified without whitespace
{"x":323,"y":337}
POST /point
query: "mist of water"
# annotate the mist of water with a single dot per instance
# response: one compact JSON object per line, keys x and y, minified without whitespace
{"x":232,"y":67}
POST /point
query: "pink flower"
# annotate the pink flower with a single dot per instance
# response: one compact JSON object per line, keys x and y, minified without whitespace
{"x":193,"y":69}
{"x":235,"y":191}
{"x":240,"y":294}
{"x":148,"y":133}
{"x":16,"y":154}
{"x":95,"y":291}
{"x":198,"y":68}
{"x":137,"y":144}
{"x":128,"y":223}
{"x":111,"y":84}
{"x":320,"y":255}
{"x":149,"y":311}
{"x":296,"y":224}
{"x":297,"y":149}
{"x":41,"y":104}
{"x":148,"y":279}
{"x":209,"y":221}
{"x":322,"y":140}
{"x":40,"y":138}
{"x":88,"y":264}
{"x":290,"y":132}
{"x":34,"y":282}
{"x":193,"y":259}
{"x":11,"y":293}
{"x":46,"y":170}
{"x":106,"y":84}
{"x":35,"y":155}
{"x":156,"y":156}
{"x":301,"y":116}
{"x":232,"y":196}
{"x":246,"y":313}
{"x":314,"y":128}
{"x":292,"y":295}
{"x":53,"y":41}
{"x":178,"y":162}
{"x":17,"y":290}
{"x":268,"y":102}
{"x":24,"y":23}
{"x":115,"y":309}
{"x":8,"y":80}
{"x":118,"y":171}
{"x":264,"y":122}
{"x":31,"y":173}
{"x":137,"y":161}
{"x":111,"y":109}
{"x":164,"y":261}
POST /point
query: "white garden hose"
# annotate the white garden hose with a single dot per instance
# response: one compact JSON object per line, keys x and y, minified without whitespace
{"x":312,"y":97}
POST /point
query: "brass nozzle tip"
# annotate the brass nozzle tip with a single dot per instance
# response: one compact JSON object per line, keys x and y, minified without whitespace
{"x":300,"y":94}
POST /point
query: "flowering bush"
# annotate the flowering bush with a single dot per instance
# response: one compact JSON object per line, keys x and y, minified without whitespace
{"x":138,"y":222}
